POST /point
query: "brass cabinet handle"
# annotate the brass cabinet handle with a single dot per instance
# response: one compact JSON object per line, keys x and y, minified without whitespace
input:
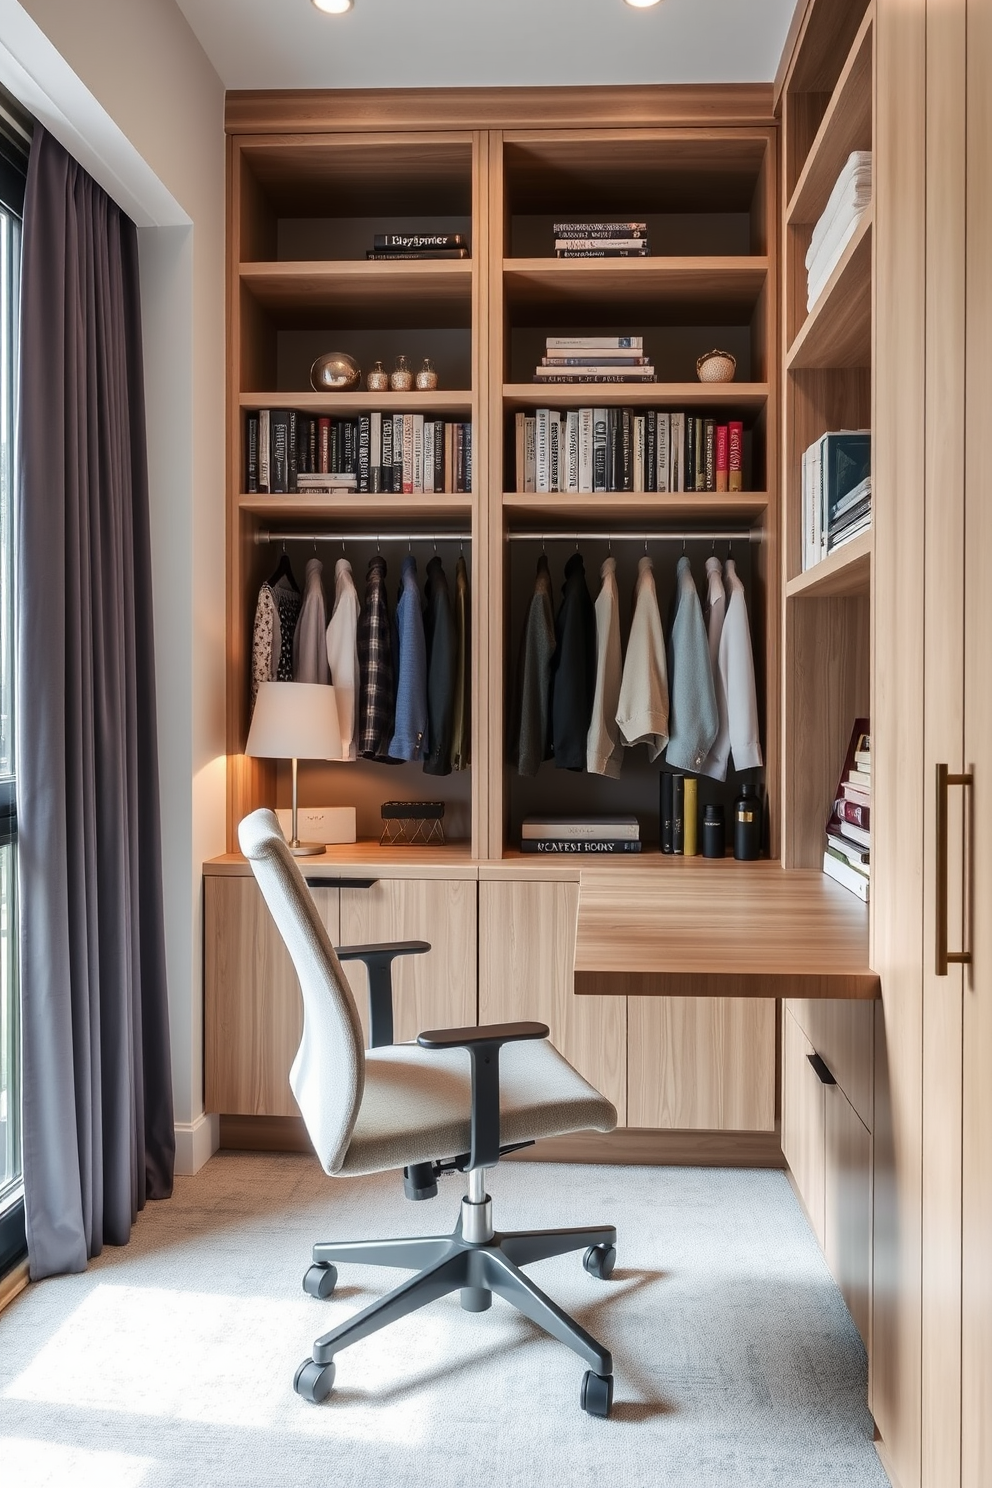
{"x":943,"y":956}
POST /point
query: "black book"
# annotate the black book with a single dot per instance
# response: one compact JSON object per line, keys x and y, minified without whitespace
{"x":666,"y":812}
{"x":650,"y":450}
{"x":689,"y":483}
{"x":312,"y":447}
{"x":398,"y":427}
{"x":251,"y":452}
{"x":700,"y":437}
{"x":279,"y":451}
{"x":614,"y":455}
{"x":439,"y":454}
{"x":415,"y":242}
{"x":387,"y":452}
{"x":363,"y":452}
{"x":303,"y":466}
{"x":566,"y":845}
{"x":337,"y":447}
{"x":600,"y":449}
{"x":292,"y":452}
{"x":467,"y":462}
{"x":626,"y":449}
{"x":709,"y":454}
{"x":678,"y":815}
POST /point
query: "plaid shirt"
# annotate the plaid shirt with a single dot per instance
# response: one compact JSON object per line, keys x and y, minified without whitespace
{"x":376,"y":692}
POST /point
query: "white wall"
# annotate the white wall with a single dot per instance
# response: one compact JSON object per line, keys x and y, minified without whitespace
{"x":126,"y":87}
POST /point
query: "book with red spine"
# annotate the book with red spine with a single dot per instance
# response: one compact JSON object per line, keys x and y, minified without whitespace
{"x":722,"y":457}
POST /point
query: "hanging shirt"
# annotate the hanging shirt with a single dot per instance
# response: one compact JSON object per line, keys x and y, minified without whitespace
{"x":309,"y":650}
{"x":537,"y":649}
{"x":642,"y":712}
{"x":266,"y":642}
{"x":376,"y":696}
{"x":439,"y":633}
{"x":736,"y":664}
{"x":715,"y":764}
{"x":409,"y":741}
{"x":341,"y":654}
{"x":573,"y":669}
{"x":461,"y":723}
{"x":604,"y":750}
{"x":693,"y":716}
{"x":287,"y":600}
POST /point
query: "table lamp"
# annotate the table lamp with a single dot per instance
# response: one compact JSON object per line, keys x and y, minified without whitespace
{"x":295,"y":720}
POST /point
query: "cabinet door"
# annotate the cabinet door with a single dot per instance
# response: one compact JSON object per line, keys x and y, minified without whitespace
{"x":847,"y":1204}
{"x":253,"y":1010}
{"x":436,"y":990}
{"x":701,"y":1063}
{"x":526,"y":970}
{"x":802,"y":1120}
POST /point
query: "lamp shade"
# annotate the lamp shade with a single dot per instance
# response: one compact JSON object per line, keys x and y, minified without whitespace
{"x":295,"y":720}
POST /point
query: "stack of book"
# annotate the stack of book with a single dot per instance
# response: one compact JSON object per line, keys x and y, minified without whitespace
{"x":601,"y":240}
{"x":594,"y":359}
{"x":626,"y":449}
{"x":848,"y":853}
{"x":287,"y":451}
{"x":836,"y":488}
{"x":580,"y":834}
{"x":418,"y":245}
{"x":849,"y":200}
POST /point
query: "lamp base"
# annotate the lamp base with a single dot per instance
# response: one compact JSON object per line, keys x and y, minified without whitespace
{"x":306,"y":849}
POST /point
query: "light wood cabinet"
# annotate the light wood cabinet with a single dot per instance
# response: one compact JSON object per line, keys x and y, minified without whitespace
{"x":803,"y":1121}
{"x":701,"y":1063}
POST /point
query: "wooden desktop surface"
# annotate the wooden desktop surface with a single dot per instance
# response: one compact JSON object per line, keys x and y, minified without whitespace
{"x":709,"y":928}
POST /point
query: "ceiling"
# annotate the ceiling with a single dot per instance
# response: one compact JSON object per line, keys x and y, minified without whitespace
{"x":479,"y":43}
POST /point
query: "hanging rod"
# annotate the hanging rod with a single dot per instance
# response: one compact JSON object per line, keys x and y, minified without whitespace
{"x":263,"y":536}
{"x":742,"y":534}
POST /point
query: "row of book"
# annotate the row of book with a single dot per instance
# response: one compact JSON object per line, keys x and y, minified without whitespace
{"x":836,"y":492}
{"x":847,"y":857}
{"x":288,"y":451}
{"x":601,"y":240}
{"x":626,"y":449}
{"x":581,"y":359}
{"x":438,"y":246}
{"x":587,"y":834}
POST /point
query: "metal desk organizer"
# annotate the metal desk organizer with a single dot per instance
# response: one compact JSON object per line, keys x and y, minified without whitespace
{"x":412,"y":824}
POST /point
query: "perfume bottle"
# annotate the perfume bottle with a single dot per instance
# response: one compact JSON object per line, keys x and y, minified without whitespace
{"x":714,"y":831}
{"x":401,"y":378}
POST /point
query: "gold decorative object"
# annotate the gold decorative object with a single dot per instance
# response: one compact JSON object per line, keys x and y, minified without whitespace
{"x":401,"y":378}
{"x":716,"y":366}
{"x":378,"y":379}
{"x":427,"y":377}
{"x":335,"y":372}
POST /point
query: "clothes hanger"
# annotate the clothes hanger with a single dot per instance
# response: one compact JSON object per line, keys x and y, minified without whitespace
{"x":284,"y":570}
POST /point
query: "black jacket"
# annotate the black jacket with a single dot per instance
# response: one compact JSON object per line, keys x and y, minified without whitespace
{"x":442,"y":654}
{"x":573,"y":669}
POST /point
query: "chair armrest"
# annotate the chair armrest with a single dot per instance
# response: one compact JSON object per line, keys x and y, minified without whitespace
{"x":379,"y":965}
{"x":483,"y":1045}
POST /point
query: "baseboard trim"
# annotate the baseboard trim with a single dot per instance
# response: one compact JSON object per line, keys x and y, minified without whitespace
{"x":628,"y":1145}
{"x":13,"y":1283}
{"x":196,"y":1143}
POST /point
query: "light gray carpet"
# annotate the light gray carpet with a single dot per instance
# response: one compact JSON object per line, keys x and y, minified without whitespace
{"x":169,"y":1363}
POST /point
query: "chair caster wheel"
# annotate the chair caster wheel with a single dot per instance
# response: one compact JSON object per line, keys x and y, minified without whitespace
{"x":599,"y":1261}
{"x":597,"y":1393}
{"x":320,"y":1281}
{"x":313,"y":1382}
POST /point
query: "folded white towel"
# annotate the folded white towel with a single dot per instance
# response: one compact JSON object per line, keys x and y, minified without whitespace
{"x":852,"y":192}
{"x":829,"y":257}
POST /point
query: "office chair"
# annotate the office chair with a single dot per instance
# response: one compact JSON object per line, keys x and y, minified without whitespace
{"x":457,"y":1098}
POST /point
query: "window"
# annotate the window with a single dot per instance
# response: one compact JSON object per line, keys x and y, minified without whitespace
{"x":11,"y":1186}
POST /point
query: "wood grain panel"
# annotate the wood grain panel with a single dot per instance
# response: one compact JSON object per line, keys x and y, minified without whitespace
{"x":897,"y":714}
{"x":703,"y":1064}
{"x":526,"y":945}
{"x":803,"y":1121}
{"x":844,"y":573}
{"x":847,"y":1206}
{"x":253,"y":1010}
{"x":681,"y":290}
{"x":845,"y":126}
{"x":436,"y":990}
{"x":842,"y":1033}
{"x":837,"y":331}
{"x":678,"y":1149}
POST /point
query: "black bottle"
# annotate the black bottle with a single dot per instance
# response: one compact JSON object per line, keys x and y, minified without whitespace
{"x":714,"y":832}
{"x":747,"y":823}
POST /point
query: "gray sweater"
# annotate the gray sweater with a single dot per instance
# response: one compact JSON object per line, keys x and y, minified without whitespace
{"x":693,"y":720}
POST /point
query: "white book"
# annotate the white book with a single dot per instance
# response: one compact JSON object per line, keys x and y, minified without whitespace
{"x":572,"y":452}
{"x":639,"y":438}
{"x":398,"y":450}
{"x":375,"y":452}
{"x":619,"y":828}
{"x":807,"y":508}
{"x":585,"y":450}
{"x":554,"y":452}
{"x":530,"y":454}
{"x":664,"y":452}
{"x":519,"y":422}
{"x":543,"y":447}
{"x":264,"y":478}
{"x":407,"y":452}
{"x":418,"y":452}
{"x":676,"y":480}
{"x":597,"y":343}
{"x":844,"y":874}
{"x":429,"y":455}
{"x":819,"y":522}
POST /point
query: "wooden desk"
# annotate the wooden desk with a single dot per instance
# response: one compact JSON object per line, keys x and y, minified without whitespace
{"x":704,"y":928}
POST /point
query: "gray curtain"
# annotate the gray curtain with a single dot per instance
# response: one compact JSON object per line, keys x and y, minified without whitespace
{"x":98,"y":1120}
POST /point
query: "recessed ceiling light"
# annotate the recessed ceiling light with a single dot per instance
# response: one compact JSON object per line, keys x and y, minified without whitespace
{"x":337,"y":7}
{"x":637,"y":4}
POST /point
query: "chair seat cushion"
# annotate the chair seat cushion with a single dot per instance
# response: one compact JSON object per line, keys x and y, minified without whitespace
{"x":417,"y":1103}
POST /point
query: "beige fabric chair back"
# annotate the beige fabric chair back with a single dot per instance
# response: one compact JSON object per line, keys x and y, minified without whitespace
{"x":328,"y":1074}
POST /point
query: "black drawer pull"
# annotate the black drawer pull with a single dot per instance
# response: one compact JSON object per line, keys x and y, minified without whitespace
{"x":341,"y":883}
{"x":822,"y":1071}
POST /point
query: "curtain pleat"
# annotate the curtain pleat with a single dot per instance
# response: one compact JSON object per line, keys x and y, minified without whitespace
{"x":98,"y":1118}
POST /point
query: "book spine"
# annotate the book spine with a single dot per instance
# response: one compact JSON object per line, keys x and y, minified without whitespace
{"x":468,"y":459}
{"x":449,"y":457}
{"x":364,"y":451}
{"x":428,"y":456}
{"x":651,"y":450}
{"x":546,"y":375}
{"x":543,"y":445}
{"x":585,"y":450}
{"x":618,"y":240}
{"x":614,"y":455}
{"x":519,"y":428}
{"x":312,"y":455}
{"x":595,"y":831}
{"x":387,"y":452}
{"x":418,"y":452}
{"x":700,"y":437}
{"x":600,"y":229}
{"x":678,"y":815}
{"x":439,"y":454}
{"x":690,"y":817}
{"x":376,"y":481}
{"x":264,"y":451}
{"x":291,"y":461}
{"x":853,"y":812}
{"x":600,"y":448}
{"x":599,"y":343}
{"x":690,"y":453}
{"x":554,"y":452}
{"x":572,"y":452}
{"x":303,"y":466}
{"x":735,"y":455}
{"x":667,"y":844}
{"x":597,"y":359}
{"x":722,"y":458}
{"x":663,"y":474}
{"x":638,"y":450}
{"x":603,"y":253}
{"x":418,"y":240}
{"x":251,"y":453}
{"x":349,"y":446}
{"x":530,"y":454}
{"x":390,"y":255}
{"x":709,"y":454}
{"x":677,"y":453}
{"x":578,"y":845}
{"x":279,"y":460}
{"x":408,"y":454}
{"x":399,"y":439}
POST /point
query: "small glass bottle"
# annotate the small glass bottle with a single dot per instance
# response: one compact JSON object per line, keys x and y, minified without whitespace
{"x":714,"y":831}
{"x":378,"y":379}
{"x":401,"y":378}
{"x":747,"y":824}
{"x":427,"y":377}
